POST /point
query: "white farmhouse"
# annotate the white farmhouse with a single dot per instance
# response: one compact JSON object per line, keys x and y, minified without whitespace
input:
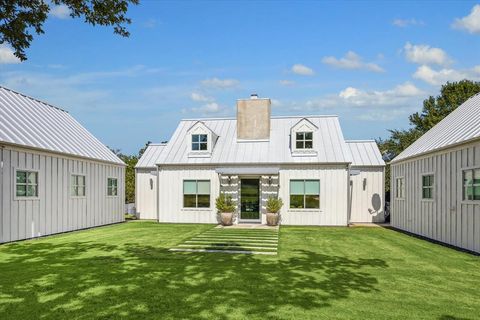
{"x":54,"y":175}
{"x":436,"y":181}
{"x":303,"y":159}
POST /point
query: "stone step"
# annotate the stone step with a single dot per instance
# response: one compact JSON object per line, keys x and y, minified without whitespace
{"x":223,"y":251}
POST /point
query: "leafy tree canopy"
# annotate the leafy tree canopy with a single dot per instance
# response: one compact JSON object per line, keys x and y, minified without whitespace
{"x":20,"y":18}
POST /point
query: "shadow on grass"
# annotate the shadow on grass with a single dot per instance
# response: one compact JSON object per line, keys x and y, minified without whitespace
{"x":92,"y":280}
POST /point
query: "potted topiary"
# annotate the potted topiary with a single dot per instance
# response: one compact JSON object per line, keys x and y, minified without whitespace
{"x":273,"y":208}
{"x":226,"y":209}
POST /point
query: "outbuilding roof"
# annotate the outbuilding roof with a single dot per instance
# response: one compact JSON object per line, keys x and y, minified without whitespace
{"x":461,"y":125}
{"x":330,"y":146}
{"x":150,"y":156}
{"x":365,"y":153}
{"x":28,"y":122}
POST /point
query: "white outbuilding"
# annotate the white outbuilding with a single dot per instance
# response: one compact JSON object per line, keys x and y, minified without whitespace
{"x":304,"y":160}
{"x":436,"y":181}
{"x":55,"y":176}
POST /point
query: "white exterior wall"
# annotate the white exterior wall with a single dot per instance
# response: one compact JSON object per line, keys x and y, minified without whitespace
{"x":367,"y":195}
{"x":333,"y":194}
{"x":54,"y":210}
{"x":145,"y":193}
{"x":446,"y":218}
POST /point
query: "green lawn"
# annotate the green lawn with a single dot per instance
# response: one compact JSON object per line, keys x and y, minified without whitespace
{"x":126,"y":271}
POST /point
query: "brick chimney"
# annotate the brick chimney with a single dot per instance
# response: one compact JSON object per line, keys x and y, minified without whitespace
{"x":253,"y":118}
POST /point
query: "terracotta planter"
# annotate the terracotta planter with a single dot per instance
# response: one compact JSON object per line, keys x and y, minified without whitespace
{"x":226,"y":218}
{"x":272,"y":218}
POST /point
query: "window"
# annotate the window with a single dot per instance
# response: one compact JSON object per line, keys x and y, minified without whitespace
{"x":304,"y":140}
{"x":304,"y":194}
{"x":196,"y":194}
{"x":26,"y":184}
{"x":400,"y":188}
{"x":112,"y":187}
{"x":471,"y":184}
{"x":199,"y":142}
{"x":78,"y":185}
{"x":427,"y":186}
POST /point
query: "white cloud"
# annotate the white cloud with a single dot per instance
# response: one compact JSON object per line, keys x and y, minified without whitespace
{"x":470,"y":23}
{"x":200,"y":97}
{"x":220,"y":83}
{"x":60,"y":12}
{"x":402,"y":23}
{"x":7,"y":56}
{"x":287,"y":82}
{"x":439,"y":77}
{"x":351,"y":60}
{"x":302,"y":70}
{"x":424,"y":54}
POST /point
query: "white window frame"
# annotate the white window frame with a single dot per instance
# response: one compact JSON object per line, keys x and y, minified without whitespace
{"x":471,"y":169}
{"x":304,"y":196}
{"x":199,"y":142}
{"x":76,"y":174}
{"x":432,"y":187}
{"x":15,"y":197}
{"x":400,"y":195}
{"x":196,"y":195}
{"x":304,"y":140}
{"x":112,"y":196}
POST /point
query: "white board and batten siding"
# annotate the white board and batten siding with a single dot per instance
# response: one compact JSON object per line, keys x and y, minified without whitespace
{"x":447,"y":217}
{"x":35,"y":136}
{"x":445,"y":151}
{"x":367,"y":184}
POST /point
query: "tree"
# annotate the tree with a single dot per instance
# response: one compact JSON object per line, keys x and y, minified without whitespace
{"x":19,"y":17}
{"x":452,"y":95}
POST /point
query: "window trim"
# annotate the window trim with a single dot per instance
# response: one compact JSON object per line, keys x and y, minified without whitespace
{"x":432,"y":174}
{"x":196,"y":196}
{"x":14,"y":180}
{"x":396,"y":188}
{"x":304,"y":209}
{"x":304,"y":140}
{"x":111,"y":196}
{"x":199,"y":143}
{"x":85,"y":185}
{"x":462,"y":172}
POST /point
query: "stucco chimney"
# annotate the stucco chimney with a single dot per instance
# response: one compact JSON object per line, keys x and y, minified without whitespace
{"x":253,"y":118}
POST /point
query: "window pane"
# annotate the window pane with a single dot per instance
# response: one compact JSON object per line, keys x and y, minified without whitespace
{"x":195,"y":146}
{"x":203,"y":201}
{"x":114,"y":191}
{"x":467,"y":177}
{"x":81,"y":191}
{"x":73,"y":191}
{"x":312,"y":201}
{"x":308,"y":135}
{"x":203,"y":138}
{"x":299,"y":136}
{"x":299,"y":144}
{"x":296,"y":201}
{"x":114,"y":182}
{"x":189,"y":187}
{"x":312,"y":187}
{"x":203,"y":146}
{"x":31,"y":191}
{"x":476,"y":193}
{"x":21,"y":190}
{"x":297,"y":187}
{"x":109,"y":191}
{"x":81,"y":181}
{"x":195,"y":138}
{"x":189,"y":201}
{"x":32,"y":177}
{"x":476,"y":177}
{"x":203,"y":187}
{"x":21,"y":177}
{"x":308,"y":144}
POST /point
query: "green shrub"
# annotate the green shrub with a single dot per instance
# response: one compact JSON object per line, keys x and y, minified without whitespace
{"x":274,"y":204}
{"x":224,"y":203}
{"x":129,"y":216}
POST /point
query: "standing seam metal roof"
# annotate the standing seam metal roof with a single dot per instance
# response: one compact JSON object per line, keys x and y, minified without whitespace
{"x":28,"y":122}
{"x":151,"y":155}
{"x":330,"y":144}
{"x":365,"y":153}
{"x":461,"y":125}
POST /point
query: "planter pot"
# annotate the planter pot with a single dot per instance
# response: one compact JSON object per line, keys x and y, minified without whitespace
{"x":226,"y":218}
{"x":272,"y":218}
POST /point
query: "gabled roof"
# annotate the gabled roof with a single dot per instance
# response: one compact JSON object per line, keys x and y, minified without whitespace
{"x":462,"y":125}
{"x":28,"y":122}
{"x":331,"y":145}
{"x":150,"y":157}
{"x":365,"y":153}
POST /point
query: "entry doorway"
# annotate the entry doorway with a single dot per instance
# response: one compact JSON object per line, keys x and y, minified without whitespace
{"x":250,"y":200}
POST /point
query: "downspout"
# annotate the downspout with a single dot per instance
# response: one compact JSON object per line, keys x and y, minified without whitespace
{"x":349,"y":197}
{"x":158,"y":194}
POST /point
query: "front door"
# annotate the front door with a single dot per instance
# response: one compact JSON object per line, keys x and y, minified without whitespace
{"x":250,"y":200}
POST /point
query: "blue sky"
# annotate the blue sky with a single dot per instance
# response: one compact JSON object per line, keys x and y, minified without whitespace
{"x":371,"y":63}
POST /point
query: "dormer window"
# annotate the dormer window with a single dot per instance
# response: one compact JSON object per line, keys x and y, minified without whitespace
{"x":304,"y":140}
{"x":199,"y":142}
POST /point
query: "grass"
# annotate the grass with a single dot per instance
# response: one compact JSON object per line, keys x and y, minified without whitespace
{"x":126,"y":271}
